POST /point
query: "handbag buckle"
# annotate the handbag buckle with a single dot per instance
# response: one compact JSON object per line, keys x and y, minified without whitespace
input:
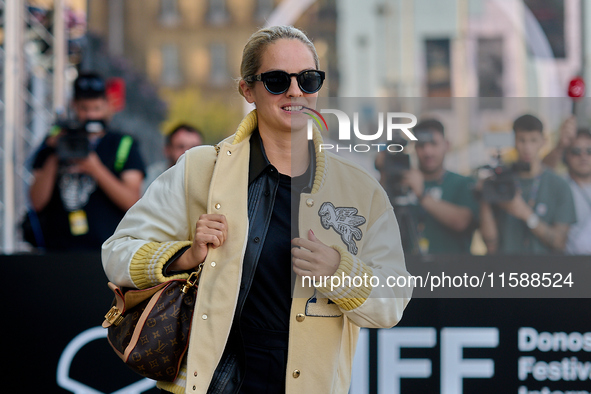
{"x":192,"y":279}
{"x":114,"y":316}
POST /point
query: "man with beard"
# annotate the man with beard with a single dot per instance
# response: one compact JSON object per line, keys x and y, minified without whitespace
{"x":578,"y":161}
{"x":441,"y":202}
{"x":574,"y":147}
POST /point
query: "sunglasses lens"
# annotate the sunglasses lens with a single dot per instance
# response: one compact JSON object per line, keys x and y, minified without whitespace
{"x":580,"y":151}
{"x":310,"y":81}
{"x":276,"y":82}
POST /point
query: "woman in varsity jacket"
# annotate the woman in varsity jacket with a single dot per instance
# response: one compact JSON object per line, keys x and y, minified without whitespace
{"x":261,"y":324}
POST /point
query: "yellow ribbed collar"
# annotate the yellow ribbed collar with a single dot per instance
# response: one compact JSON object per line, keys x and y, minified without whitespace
{"x":250,"y":123}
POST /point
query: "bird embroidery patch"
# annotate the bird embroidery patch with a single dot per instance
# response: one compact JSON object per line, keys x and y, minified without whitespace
{"x":345,"y":221}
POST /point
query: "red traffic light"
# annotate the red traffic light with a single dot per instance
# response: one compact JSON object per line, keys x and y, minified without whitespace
{"x":576,"y":87}
{"x":116,"y":94}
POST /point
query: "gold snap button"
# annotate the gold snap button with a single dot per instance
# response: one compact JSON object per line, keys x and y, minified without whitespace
{"x":218,"y":206}
{"x":296,"y":373}
{"x":300,"y":317}
{"x":204,"y":317}
{"x":310,"y":202}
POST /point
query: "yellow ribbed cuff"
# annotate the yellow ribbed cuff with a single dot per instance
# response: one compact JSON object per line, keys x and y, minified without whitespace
{"x":178,"y":386}
{"x":148,"y":262}
{"x":351,"y":272}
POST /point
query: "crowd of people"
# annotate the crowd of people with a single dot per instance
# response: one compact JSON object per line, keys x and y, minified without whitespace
{"x":78,"y":198}
{"x":229,"y":210}
{"x":525,"y":208}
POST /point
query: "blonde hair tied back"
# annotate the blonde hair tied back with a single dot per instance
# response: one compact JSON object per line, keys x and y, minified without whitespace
{"x":258,"y":42}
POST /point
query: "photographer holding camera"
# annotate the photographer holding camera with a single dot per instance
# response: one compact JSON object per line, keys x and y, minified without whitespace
{"x":85,"y":176}
{"x":441,"y":210}
{"x":536,"y":215}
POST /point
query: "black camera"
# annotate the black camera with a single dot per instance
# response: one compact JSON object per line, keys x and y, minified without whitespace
{"x":500,"y":180}
{"x":502,"y":186}
{"x":395,"y":165}
{"x":74,"y":143}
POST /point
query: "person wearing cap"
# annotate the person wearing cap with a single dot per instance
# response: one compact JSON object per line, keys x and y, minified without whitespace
{"x":85,"y":176}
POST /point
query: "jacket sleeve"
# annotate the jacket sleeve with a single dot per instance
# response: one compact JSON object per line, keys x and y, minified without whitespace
{"x":374,"y":300}
{"x":152,"y":232}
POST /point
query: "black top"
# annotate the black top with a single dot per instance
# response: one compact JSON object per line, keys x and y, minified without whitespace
{"x":73,"y":192}
{"x":268,"y":302}
{"x":273,"y":222}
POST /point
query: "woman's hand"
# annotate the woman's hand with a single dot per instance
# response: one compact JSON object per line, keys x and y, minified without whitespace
{"x":311,"y":257}
{"x":211,"y":230}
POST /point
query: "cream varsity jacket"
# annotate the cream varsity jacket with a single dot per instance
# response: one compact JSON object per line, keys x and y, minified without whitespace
{"x":347,"y":209}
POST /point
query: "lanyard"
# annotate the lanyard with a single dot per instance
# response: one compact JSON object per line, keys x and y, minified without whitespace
{"x":533,"y":193}
{"x":428,"y":189}
{"x":531,"y":201}
{"x":422,"y":215}
{"x":439,"y":183}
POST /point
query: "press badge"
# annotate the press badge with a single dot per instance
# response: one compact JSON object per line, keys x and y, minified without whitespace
{"x":424,"y":245}
{"x":78,"y":222}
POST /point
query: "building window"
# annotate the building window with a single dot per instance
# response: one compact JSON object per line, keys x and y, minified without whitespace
{"x":218,"y":73}
{"x":550,"y":16}
{"x":264,"y":9}
{"x":169,"y":13}
{"x":171,"y":75}
{"x":438,"y":68}
{"x":490,"y":67}
{"x":217,"y":13}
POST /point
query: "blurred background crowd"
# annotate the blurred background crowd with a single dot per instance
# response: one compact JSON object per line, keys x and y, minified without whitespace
{"x":503,"y":165}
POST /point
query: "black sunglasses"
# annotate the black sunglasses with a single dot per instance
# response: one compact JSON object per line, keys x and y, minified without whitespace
{"x":579,"y":151}
{"x":277,"y":82}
